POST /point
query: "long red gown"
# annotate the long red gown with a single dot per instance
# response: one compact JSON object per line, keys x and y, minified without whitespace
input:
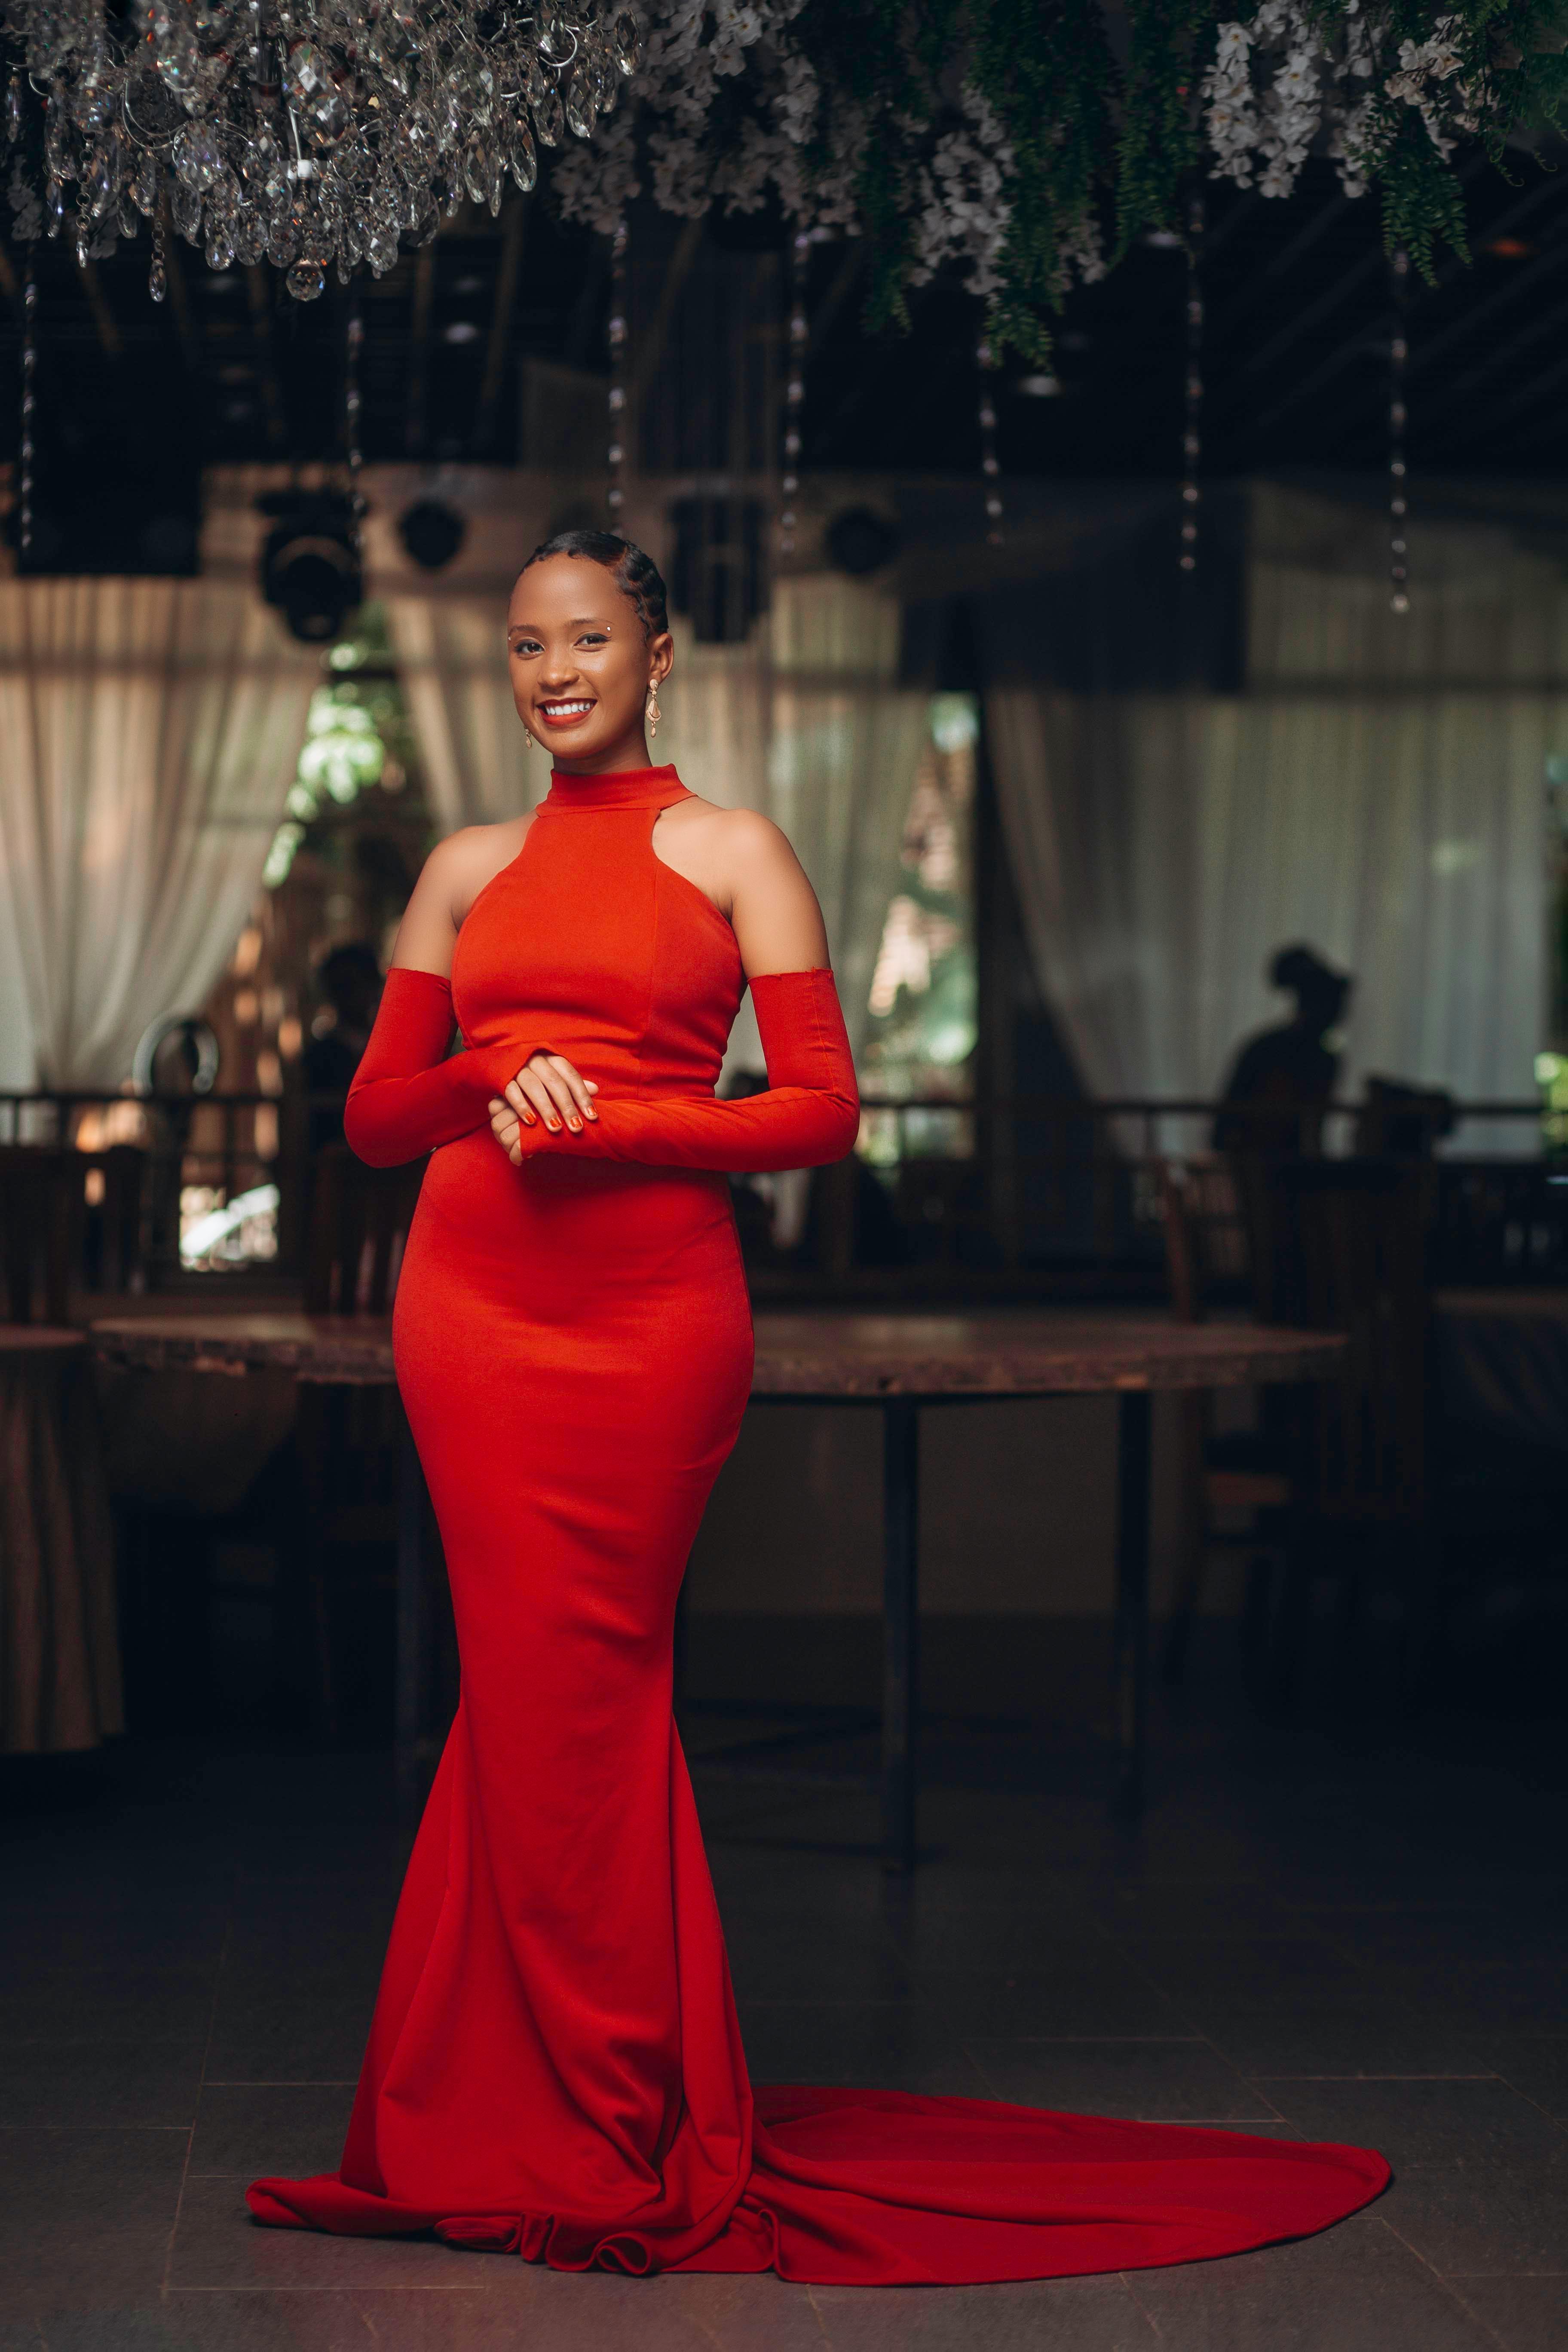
{"x":554,"y":2068}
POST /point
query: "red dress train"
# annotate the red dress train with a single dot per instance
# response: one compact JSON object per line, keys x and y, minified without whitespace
{"x":554,"y":2068}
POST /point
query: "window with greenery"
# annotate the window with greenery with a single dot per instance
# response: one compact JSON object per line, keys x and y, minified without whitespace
{"x":355,"y":833}
{"x":920,"y":1046}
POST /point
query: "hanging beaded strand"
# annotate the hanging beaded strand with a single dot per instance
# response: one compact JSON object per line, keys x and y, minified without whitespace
{"x":990,"y":469}
{"x":615,"y":454}
{"x":1192,"y":415}
{"x":29,"y":371}
{"x":1398,"y":353}
{"x":352,"y":347}
{"x":795,"y":388}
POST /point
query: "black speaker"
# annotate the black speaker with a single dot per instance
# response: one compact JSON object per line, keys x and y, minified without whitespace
{"x":860,"y":540}
{"x":432,"y":532}
{"x":310,"y":567}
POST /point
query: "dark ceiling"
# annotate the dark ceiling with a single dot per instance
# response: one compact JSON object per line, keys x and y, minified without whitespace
{"x":1295,"y":360}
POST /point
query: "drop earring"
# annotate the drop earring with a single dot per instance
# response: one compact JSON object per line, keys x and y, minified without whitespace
{"x":651,"y":712}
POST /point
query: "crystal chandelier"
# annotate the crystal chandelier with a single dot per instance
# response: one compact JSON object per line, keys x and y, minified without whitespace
{"x":310,"y":132}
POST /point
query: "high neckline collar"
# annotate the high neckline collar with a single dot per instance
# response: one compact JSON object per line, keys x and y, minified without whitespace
{"x":621,"y":788}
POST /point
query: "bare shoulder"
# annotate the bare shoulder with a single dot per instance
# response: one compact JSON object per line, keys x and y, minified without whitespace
{"x":451,"y":878}
{"x":749,"y":843}
{"x":460,"y":866}
{"x":751,"y":872}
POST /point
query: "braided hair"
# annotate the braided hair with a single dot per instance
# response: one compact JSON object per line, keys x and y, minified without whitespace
{"x":636,"y":575}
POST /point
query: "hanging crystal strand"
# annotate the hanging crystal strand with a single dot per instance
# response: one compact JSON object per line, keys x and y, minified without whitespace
{"x":1398,"y":353}
{"x":795,"y":387}
{"x":353,"y":343}
{"x":1193,"y":418}
{"x":616,"y":453}
{"x":989,"y":467}
{"x":158,"y":273}
{"x":29,"y":368}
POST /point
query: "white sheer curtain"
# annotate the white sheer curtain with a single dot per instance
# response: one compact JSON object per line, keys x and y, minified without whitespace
{"x":845,"y":750}
{"x":1099,"y":798}
{"x":717,"y":706}
{"x":1377,"y":791}
{"x":474,"y":749}
{"x":842,"y":769}
{"x":149,"y":732}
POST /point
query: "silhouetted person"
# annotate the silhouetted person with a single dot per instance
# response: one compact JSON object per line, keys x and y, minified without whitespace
{"x":1292,"y":1066}
{"x":349,"y":982}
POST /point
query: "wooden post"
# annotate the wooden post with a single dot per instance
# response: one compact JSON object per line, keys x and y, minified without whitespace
{"x":1134,"y":1481}
{"x":900,"y":1623}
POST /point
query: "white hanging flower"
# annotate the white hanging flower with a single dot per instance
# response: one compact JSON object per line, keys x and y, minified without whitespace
{"x":1280,"y":82}
{"x":964,"y":209}
{"x":1288,"y":80}
{"x":595,"y":180}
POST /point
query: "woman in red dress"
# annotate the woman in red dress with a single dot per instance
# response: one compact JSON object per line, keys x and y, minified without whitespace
{"x":554,"y":2068}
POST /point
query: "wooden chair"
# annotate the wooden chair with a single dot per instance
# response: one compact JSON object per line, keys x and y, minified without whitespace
{"x":41,"y":1208}
{"x":360,"y":1218}
{"x":68,"y":1221}
{"x":1353,"y":1244}
{"x":351,"y":1439}
{"x":1233,"y":1484}
{"x":113,"y":1189}
{"x":1401,"y":1121}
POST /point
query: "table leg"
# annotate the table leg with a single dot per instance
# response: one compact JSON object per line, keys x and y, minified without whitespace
{"x":1134,"y":1451}
{"x":410,"y":1672}
{"x":900,"y":1629}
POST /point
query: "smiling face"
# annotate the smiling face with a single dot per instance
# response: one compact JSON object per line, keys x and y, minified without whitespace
{"x":581,"y":666}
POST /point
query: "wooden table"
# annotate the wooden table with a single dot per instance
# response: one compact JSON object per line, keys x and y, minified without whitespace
{"x":333,"y":1352}
{"x":894,"y":1362}
{"x":899,"y":1362}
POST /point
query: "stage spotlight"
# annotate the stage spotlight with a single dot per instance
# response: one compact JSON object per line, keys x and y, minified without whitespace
{"x":432,"y":533}
{"x":860,"y":540}
{"x":309,"y":570}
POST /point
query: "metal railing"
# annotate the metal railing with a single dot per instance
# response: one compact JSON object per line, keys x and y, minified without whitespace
{"x":202,"y":1159}
{"x":1028,"y":1191}
{"x":1069,"y":1189}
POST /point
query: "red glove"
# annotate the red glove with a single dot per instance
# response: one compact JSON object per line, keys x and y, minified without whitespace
{"x":809,"y":1115}
{"x":407,"y":1095}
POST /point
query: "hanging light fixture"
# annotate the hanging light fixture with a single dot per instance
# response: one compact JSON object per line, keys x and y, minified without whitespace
{"x":308,"y":132}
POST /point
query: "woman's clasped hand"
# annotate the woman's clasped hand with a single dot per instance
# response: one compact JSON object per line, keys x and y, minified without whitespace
{"x":548,"y":1095}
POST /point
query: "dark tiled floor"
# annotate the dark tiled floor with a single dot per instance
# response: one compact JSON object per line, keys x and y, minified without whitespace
{"x":1301,"y":1941}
